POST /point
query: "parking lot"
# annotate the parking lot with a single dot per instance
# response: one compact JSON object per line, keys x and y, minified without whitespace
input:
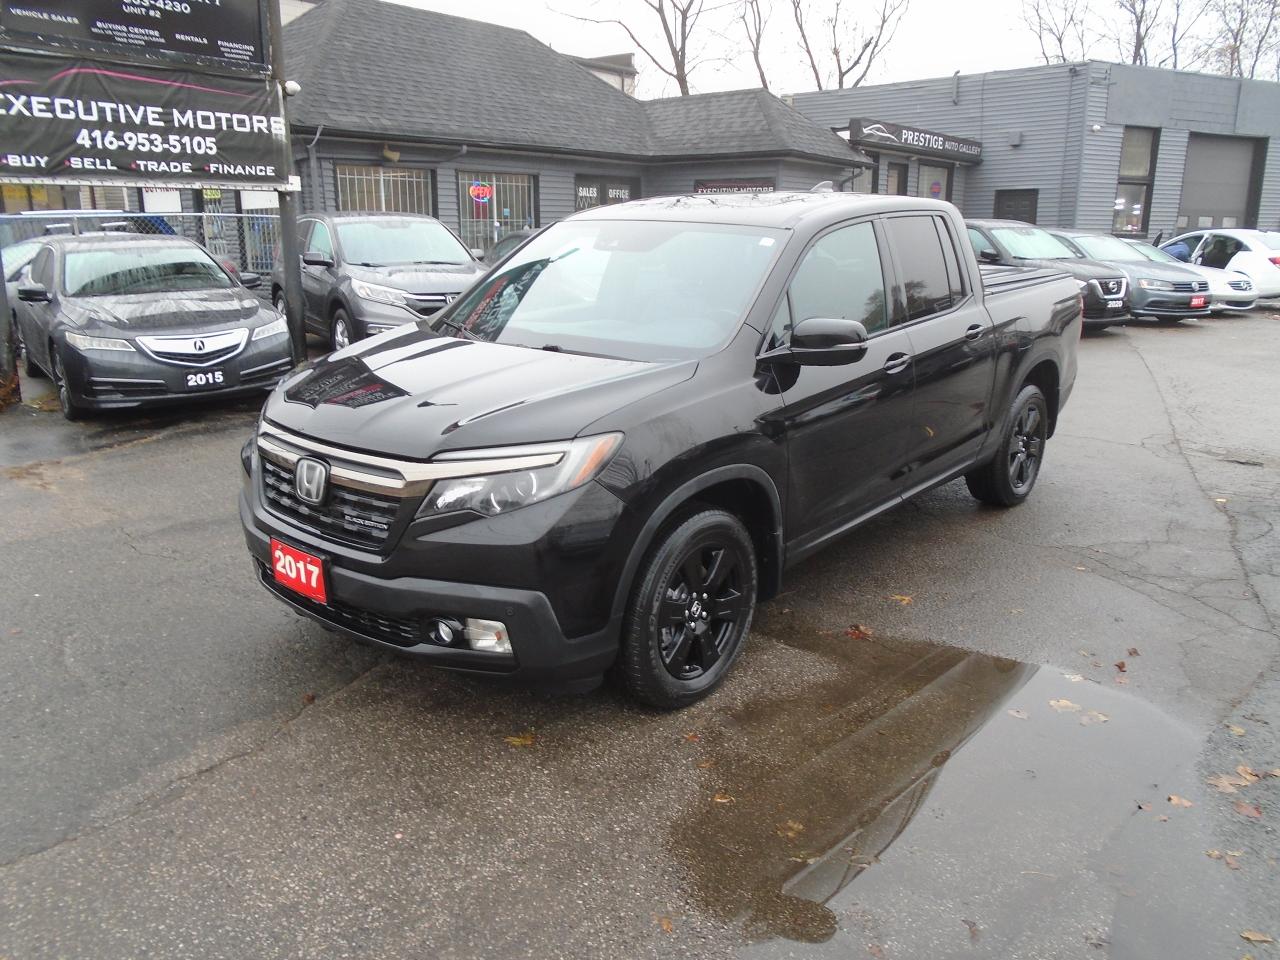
{"x":959,"y":732}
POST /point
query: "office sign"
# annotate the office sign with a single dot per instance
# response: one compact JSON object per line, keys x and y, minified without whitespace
{"x":81,"y":122}
{"x":917,"y":141}
{"x":222,"y":31}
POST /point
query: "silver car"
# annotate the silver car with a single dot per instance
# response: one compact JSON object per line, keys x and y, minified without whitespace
{"x":1229,"y":292}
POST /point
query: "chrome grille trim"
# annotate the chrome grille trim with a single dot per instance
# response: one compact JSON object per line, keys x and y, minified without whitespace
{"x":1112,"y":287}
{"x":217,"y":347}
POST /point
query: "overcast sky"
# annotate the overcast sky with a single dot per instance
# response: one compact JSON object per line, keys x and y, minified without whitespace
{"x":937,"y":37}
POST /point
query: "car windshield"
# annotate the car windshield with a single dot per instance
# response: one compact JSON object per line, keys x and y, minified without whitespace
{"x":636,"y":290}
{"x":99,"y":271}
{"x":1149,"y":252}
{"x":391,"y":241}
{"x":18,"y":255}
{"x":1107,"y":248}
{"x":1032,"y":243}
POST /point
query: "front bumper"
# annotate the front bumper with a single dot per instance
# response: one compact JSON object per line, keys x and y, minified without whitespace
{"x":1099,"y":310}
{"x":375,"y":317}
{"x":1166,"y":303}
{"x":107,"y":380}
{"x":1238,"y":303}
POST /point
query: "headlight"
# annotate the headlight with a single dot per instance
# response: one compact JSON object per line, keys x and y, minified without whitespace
{"x":273,"y":329}
{"x":495,"y":493}
{"x":81,"y":342}
{"x":372,"y":291}
{"x":1155,"y":284}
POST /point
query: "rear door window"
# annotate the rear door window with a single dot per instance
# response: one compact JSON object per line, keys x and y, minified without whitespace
{"x":841,"y":276}
{"x":922,"y":265}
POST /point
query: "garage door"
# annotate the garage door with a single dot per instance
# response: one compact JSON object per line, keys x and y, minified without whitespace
{"x":1217,"y":182}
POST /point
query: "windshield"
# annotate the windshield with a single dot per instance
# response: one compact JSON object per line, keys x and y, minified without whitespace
{"x":1032,"y":243}
{"x":387,"y":242}
{"x":17,"y":256}
{"x":141,"y":268}
{"x":1155,"y":253}
{"x":636,"y":290}
{"x":1107,"y":248}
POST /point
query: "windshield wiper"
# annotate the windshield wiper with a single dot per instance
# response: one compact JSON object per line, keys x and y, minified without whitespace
{"x":455,"y":325}
{"x":443,"y":263}
{"x":366,"y":263}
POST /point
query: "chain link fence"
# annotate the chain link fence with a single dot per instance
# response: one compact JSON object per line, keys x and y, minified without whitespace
{"x":246,"y":242}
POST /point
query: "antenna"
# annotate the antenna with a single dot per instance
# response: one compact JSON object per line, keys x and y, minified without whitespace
{"x":826,"y":186}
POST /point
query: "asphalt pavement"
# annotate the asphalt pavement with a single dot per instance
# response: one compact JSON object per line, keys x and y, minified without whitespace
{"x":960,"y":732}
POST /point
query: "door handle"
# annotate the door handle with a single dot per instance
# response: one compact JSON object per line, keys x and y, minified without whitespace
{"x":973,"y":331}
{"x":897,"y":362}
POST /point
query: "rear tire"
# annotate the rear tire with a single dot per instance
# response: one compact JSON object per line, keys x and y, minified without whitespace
{"x":1008,"y":478}
{"x":690,"y":611}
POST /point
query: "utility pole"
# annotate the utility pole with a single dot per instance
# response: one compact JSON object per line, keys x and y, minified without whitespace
{"x":289,"y":252}
{"x":10,"y":387}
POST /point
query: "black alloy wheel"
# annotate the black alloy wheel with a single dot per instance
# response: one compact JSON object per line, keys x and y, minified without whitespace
{"x":1008,"y":478}
{"x":691,"y":610}
{"x":65,"y":401}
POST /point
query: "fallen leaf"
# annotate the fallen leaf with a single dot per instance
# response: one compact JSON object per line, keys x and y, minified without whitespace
{"x":1231,"y":862}
{"x":1163,"y":819}
{"x":1144,"y":806}
{"x":1235,"y":853}
{"x":521,"y":739}
{"x":1247,"y":774}
{"x":1082,"y":568}
{"x":1122,"y":680}
{"x":308,"y":698}
{"x":1133,"y":652}
{"x":665,"y":923}
{"x":1121,"y":666}
{"x":1237,"y":731}
{"x":1092,"y":717}
{"x":1018,"y":714}
{"x":1178,"y":801}
{"x":876,"y":951}
{"x":706,"y":764}
{"x":1073,"y":677}
{"x":1250,"y":810}
{"x":1085,"y":653}
{"x":1213,"y":854}
{"x":902,"y":598}
{"x":1064,"y":706}
{"x":791,"y":829}
{"x":693,"y":737}
{"x":858,"y":632}
{"x":1253,"y":936}
{"x":1274,"y":773}
{"x":973,"y":930}
{"x":1097,"y":940}
{"x":1224,"y":783}
{"x":722,"y":798}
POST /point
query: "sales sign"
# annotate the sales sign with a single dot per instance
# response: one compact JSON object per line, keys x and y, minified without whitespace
{"x":221,"y":31}
{"x":80,"y":122}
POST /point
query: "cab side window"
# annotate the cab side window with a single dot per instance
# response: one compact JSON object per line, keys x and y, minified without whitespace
{"x":42,"y":269}
{"x":927,"y":268}
{"x":840,"y":276}
{"x":321,"y":242}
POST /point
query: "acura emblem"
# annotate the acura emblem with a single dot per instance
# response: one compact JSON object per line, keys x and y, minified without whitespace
{"x":310,"y":477}
{"x":199,"y":346}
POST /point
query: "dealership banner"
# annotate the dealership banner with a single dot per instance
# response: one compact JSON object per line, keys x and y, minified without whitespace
{"x":80,"y":122}
{"x":221,"y":31}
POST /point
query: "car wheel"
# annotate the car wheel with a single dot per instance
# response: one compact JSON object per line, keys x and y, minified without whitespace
{"x":690,"y":611}
{"x":278,"y":301}
{"x":28,"y":361}
{"x":66,"y":402}
{"x":341,"y":330}
{"x":1007,"y":479}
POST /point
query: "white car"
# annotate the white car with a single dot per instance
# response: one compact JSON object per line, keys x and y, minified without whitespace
{"x":1255,"y":253}
{"x":1228,"y":292}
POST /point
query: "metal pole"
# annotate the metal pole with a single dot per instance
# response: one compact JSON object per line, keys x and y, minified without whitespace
{"x":289,"y":252}
{"x":10,"y":387}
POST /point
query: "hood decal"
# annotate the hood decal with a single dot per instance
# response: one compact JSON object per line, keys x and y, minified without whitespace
{"x":344,"y":383}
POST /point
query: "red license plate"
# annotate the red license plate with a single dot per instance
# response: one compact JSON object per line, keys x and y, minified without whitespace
{"x":299,"y":571}
{"x":1198,"y":302}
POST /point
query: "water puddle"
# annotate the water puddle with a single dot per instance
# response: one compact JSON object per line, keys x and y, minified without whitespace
{"x":927,"y":801}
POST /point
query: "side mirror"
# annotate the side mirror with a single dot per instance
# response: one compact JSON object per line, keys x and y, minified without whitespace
{"x":250,"y":281}
{"x":823,"y":342}
{"x":988,"y":256}
{"x":313,"y":258}
{"x":477,"y":253}
{"x":33,"y":293}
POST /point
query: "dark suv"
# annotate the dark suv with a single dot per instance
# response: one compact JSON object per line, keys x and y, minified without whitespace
{"x":365,"y":273}
{"x":610,"y":448}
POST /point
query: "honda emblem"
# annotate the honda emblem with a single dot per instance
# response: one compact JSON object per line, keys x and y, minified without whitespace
{"x":310,"y":477}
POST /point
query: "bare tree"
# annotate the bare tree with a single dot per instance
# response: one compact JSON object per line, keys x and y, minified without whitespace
{"x":1180,"y":28}
{"x":1138,"y":21}
{"x":1244,"y":36}
{"x":1062,"y":28}
{"x":855,"y":47}
{"x":679,"y":21}
{"x":755,"y":18}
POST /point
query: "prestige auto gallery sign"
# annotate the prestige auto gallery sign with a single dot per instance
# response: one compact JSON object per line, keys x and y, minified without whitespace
{"x":76,"y":121}
{"x":913,"y":140}
{"x":226,"y":31}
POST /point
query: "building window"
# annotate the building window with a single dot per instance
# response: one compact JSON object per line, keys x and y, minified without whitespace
{"x":1133,"y":189}
{"x":384,"y":189}
{"x":16,"y":197}
{"x":491,"y":205}
{"x":596,"y":192}
{"x":896,"y":182}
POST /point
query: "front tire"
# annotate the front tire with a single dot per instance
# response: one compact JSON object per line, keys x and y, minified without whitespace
{"x":342,"y":332}
{"x":28,"y":361}
{"x":66,"y":402}
{"x":1008,"y":478}
{"x":690,"y":611}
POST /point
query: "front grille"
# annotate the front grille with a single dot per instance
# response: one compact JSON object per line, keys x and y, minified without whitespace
{"x":348,"y":516}
{"x":403,"y":633}
{"x":427,"y":304}
{"x":1113,"y":287}
{"x":196,"y":350}
{"x":1191,"y":286}
{"x":1241,"y":285}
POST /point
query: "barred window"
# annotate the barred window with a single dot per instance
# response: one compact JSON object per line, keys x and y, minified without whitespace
{"x":492,"y":205}
{"x":384,"y":189}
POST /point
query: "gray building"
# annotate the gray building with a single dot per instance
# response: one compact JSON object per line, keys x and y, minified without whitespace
{"x":1093,"y":145}
{"x":491,"y":130}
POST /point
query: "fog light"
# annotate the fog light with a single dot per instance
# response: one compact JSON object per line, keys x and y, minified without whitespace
{"x":444,"y":633}
{"x":489,"y":636}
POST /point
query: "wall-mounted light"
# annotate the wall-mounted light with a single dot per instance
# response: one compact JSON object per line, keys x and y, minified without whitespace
{"x":292,"y":88}
{"x":390,"y":155}
{"x":1096,"y":128}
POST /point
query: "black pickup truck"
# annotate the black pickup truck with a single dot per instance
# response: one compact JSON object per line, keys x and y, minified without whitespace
{"x":609,"y":449}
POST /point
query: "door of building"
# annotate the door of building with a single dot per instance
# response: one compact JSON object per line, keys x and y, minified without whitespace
{"x":896,"y":180}
{"x":1218,"y":183}
{"x":1017,"y":205}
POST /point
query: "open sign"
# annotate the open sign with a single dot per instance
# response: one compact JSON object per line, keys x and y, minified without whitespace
{"x":480,"y":192}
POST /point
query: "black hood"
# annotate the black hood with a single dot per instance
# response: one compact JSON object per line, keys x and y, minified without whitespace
{"x":181,"y":312}
{"x":1079,"y":268}
{"x":412,"y":393}
{"x":420,"y":278}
